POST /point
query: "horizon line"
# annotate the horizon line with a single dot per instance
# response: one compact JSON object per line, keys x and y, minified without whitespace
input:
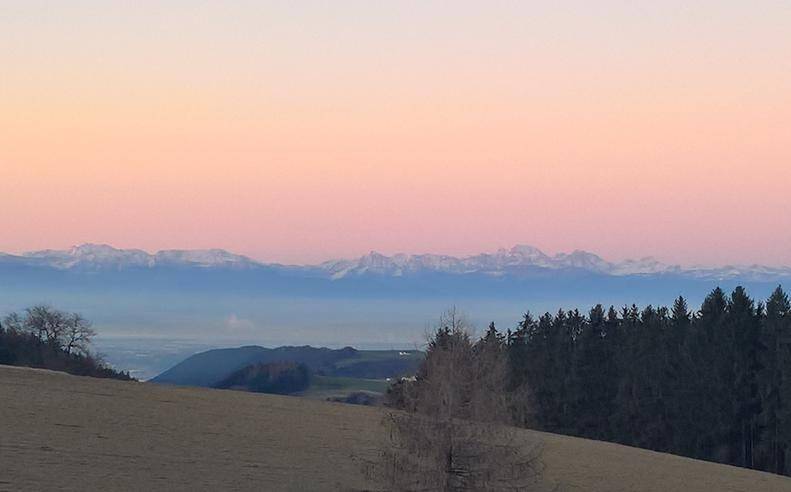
{"x":398,"y":253}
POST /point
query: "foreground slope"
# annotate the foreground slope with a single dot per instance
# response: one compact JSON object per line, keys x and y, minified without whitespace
{"x":64,"y":432}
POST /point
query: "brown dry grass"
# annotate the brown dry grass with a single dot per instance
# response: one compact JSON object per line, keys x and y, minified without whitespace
{"x":65,"y":432}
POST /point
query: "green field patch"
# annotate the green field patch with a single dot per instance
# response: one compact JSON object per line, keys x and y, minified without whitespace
{"x":324,"y":387}
{"x":363,"y":356}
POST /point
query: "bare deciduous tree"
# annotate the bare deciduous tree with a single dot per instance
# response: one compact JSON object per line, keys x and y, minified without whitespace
{"x":13,"y":322}
{"x":45,"y":322}
{"x":454,"y":434}
{"x":68,"y":331}
{"x":78,"y":334}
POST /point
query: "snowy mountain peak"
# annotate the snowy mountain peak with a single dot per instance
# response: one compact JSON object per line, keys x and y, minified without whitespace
{"x":527,"y":251}
{"x":202,"y":258}
{"x":583,"y":260}
{"x":643,"y":266}
{"x":93,"y":256}
{"x":100,"y":250}
{"x":374,"y":258}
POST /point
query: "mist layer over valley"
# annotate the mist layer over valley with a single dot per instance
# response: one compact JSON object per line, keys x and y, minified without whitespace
{"x":153,"y":310}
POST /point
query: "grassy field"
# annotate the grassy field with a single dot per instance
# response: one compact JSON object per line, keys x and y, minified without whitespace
{"x":323,"y":387}
{"x":70,"y":433}
{"x":380,"y":355}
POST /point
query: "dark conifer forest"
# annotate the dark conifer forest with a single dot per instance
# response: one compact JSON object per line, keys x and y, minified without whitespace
{"x":280,"y":378}
{"x":712,"y":383}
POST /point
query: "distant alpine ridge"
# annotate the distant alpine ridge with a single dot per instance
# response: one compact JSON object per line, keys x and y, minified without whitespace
{"x":521,"y":260}
{"x":104,"y":257}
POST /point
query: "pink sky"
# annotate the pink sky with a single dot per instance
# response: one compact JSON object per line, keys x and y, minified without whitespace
{"x":299,"y":133}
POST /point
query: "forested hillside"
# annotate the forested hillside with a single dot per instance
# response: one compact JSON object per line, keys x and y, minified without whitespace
{"x":281,"y":378}
{"x":713,"y":384}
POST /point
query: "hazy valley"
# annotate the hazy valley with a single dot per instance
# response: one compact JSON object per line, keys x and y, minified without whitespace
{"x":156,"y":309}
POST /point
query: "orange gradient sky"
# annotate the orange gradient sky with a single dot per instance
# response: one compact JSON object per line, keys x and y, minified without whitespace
{"x":300,"y":131}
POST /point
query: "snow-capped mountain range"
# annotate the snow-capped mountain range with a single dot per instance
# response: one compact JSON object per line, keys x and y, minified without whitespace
{"x":104,"y":257}
{"x":521,"y":260}
{"x":517,"y":259}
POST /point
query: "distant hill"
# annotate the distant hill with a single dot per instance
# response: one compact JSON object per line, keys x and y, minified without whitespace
{"x":209,"y":368}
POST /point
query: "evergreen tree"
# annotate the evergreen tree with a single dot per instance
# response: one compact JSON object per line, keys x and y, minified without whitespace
{"x":523,"y":357}
{"x":562,"y":342}
{"x":626,"y":416}
{"x":680,"y":374}
{"x":542,"y":374}
{"x":775,"y":335}
{"x":590,"y":390}
{"x":652,"y":383}
{"x":744,"y":323}
{"x":711,"y":350}
{"x":783,"y":347}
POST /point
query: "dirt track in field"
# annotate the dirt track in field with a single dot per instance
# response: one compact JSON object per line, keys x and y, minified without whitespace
{"x":60,"y":432}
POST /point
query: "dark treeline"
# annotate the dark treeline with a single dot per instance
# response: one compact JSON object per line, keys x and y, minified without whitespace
{"x":46,"y":338}
{"x":713,"y":384}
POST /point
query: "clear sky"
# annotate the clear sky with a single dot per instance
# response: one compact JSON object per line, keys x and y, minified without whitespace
{"x":298,"y":131}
